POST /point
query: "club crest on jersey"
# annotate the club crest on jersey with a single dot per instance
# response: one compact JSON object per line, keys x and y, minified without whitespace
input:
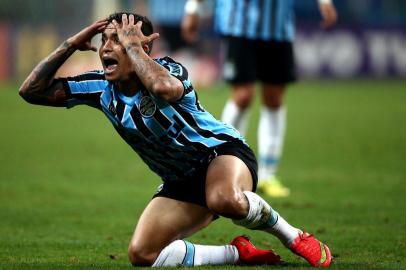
{"x":147,"y":106}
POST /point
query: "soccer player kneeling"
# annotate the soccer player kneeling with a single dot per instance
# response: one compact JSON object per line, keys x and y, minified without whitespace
{"x":206,"y":166}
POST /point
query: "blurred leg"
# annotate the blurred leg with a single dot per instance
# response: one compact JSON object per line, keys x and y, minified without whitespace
{"x":271,"y":133}
{"x":236,"y":110}
{"x":239,"y":70}
{"x":272,"y":95}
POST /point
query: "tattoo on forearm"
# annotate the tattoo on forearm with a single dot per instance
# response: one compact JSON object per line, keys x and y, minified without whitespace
{"x":42,"y":75}
{"x":148,"y":71}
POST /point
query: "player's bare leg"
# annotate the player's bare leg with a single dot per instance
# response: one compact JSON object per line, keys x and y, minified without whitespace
{"x":157,"y":240}
{"x":228,"y":193}
{"x":271,"y":133}
{"x":272,"y":95}
{"x":236,"y":110}
{"x":227,"y":178}
{"x":163,"y":221}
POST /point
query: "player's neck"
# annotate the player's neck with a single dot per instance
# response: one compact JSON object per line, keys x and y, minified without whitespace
{"x":129,"y":87}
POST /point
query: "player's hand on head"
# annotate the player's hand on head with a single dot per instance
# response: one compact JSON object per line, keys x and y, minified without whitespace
{"x":328,"y":14}
{"x":130,"y":32}
{"x":82,"y":40}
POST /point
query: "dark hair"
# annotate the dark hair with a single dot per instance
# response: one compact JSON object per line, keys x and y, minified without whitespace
{"x":146,"y":27}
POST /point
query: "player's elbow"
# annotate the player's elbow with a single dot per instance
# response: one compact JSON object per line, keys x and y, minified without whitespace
{"x":25,"y":93}
{"x":30,"y":95}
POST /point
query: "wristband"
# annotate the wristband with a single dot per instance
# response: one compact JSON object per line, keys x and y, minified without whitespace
{"x":329,"y":2}
{"x":193,"y":7}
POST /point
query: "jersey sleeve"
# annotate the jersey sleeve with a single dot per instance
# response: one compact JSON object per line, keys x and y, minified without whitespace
{"x":178,"y":71}
{"x":85,"y":88}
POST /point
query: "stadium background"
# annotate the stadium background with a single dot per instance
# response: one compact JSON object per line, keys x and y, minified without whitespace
{"x":368,"y":41}
{"x":71,"y":190}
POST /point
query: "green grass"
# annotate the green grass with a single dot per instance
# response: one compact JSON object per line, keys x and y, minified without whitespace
{"x":71,"y":190}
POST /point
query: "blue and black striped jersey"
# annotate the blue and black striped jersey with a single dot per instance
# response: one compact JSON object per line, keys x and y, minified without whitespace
{"x":172,"y":138}
{"x":255,"y":19}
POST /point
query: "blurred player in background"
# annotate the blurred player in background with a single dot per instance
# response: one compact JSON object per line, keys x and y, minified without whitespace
{"x":258,"y":37}
{"x":167,"y":15}
{"x":207,"y":168}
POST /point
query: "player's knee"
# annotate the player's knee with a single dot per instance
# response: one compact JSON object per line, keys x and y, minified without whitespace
{"x":138,"y":256}
{"x":274,"y":103}
{"x":272,"y":96}
{"x":232,"y":204}
{"x":243,"y":99}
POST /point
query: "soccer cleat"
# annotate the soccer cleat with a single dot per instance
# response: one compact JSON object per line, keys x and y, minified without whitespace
{"x":273,"y":187}
{"x":250,"y":255}
{"x":311,"y":249}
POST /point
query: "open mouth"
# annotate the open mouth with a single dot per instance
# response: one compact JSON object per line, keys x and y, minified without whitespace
{"x":110,"y":64}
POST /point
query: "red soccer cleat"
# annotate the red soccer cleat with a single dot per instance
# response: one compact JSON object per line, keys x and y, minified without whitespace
{"x":311,"y":249}
{"x":250,"y":255}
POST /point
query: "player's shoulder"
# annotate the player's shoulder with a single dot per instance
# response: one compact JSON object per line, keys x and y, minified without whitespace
{"x":174,"y":67}
{"x":167,"y":61}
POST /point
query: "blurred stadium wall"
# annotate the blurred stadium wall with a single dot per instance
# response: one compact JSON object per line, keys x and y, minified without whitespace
{"x":369,"y":40}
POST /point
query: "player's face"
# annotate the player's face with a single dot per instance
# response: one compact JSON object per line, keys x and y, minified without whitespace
{"x":116,"y":64}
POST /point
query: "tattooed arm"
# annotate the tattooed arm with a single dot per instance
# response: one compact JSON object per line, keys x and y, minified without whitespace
{"x":154,"y":77}
{"x":40,"y":87}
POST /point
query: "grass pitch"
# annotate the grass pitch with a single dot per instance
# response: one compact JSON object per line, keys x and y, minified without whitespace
{"x":71,"y":190}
